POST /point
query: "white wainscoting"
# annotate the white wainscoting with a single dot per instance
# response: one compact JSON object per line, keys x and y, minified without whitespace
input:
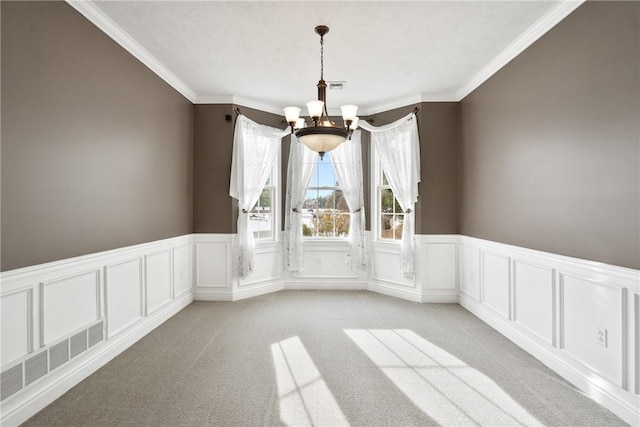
{"x":325,"y":267}
{"x":63,"y":320}
{"x":213,"y":269}
{"x":578,"y":317}
{"x":70,"y":317}
{"x":436,"y":270}
{"x":437,"y":267}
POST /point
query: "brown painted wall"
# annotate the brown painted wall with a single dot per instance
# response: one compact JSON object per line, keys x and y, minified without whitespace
{"x":550,"y":143}
{"x":96,"y":149}
{"x":437,"y":210}
{"x":214,"y":211}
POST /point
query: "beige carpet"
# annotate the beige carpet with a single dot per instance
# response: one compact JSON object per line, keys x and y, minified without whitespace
{"x":324,"y":358}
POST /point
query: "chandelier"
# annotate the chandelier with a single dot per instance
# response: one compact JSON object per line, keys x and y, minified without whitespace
{"x":324,"y":135}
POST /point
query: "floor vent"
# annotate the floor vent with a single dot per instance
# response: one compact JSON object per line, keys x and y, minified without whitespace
{"x":10,"y":381}
{"x":58,"y":354}
{"x":39,"y":365}
{"x":95,"y":334}
{"x":35,"y":367}
{"x":78,"y":343}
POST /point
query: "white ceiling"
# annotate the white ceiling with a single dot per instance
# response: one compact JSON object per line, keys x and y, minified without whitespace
{"x":265,"y":54}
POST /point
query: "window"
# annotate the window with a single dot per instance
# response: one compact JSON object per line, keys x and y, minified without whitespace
{"x":391,"y":216}
{"x":387,"y":217}
{"x":263,"y":215}
{"x":325,"y":210}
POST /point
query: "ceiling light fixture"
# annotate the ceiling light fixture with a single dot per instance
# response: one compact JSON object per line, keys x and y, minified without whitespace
{"x":324,"y":135}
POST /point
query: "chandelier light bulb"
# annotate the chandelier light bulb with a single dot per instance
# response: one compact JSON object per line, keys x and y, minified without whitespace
{"x":354,"y":123}
{"x":315,"y":109}
{"x":292,"y":114}
{"x":349,"y":112}
{"x":300,"y":123}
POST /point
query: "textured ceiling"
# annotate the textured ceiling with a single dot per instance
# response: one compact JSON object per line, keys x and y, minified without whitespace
{"x":267,"y":51}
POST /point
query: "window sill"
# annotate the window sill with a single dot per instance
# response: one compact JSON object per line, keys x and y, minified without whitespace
{"x":386,"y":243}
{"x":325,"y":242}
{"x":268,"y":244}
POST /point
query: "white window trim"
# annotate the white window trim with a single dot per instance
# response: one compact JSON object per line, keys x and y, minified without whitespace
{"x":312,"y":239}
{"x":276,"y":234}
{"x":376,"y":203}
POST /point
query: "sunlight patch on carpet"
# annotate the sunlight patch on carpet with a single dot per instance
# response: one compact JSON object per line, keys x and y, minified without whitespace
{"x":442,"y":386}
{"x":304,"y":398}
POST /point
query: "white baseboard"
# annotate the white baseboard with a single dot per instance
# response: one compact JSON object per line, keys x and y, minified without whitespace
{"x":257,"y":290}
{"x":326,"y":286}
{"x":221,"y":295}
{"x":440,"y":298}
{"x":393,"y":291}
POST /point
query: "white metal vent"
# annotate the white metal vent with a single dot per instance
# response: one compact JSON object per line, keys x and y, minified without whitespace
{"x":95,"y":334}
{"x":336,"y":85}
{"x":58,"y":354}
{"x":35,"y":367}
{"x":10,"y":381}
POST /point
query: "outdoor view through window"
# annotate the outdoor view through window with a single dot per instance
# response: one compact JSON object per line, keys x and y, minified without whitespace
{"x":391,"y":215}
{"x":262,"y":213}
{"x":325,"y":211}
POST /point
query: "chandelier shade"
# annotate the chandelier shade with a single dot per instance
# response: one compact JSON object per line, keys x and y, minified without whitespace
{"x":324,"y":135}
{"x":322,"y":139}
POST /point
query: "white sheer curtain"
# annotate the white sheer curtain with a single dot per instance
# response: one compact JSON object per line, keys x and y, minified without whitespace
{"x":347,"y":163}
{"x":301,"y":164}
{"x":255,"y":148}
{"x":398,"y":148}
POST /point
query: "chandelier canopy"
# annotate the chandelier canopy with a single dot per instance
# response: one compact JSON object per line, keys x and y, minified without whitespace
{"x":324,"y":135}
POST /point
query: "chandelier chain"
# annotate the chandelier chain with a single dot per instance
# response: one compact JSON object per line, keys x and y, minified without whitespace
{"x":321,"y":58}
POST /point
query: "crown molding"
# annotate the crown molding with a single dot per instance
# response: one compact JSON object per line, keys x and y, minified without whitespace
{"x":537,"y":30}
{"x":239,"y":100}
{"x":363,"y":111}
{"x":97,"y":17}
{"x":410,"y":100}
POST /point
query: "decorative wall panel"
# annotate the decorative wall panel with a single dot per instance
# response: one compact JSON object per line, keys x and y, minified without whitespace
{"x":496,"y":288}
{"x":441,"y":265}
{"x":69,"y":304}
{"x":533,"y":295}
{"x":213,"y":264}
{"x":592,"y":325}
{"x":470,"y":271}
{"x":124,"y":295}
{"x":158,"y":280}
{"x":269,"y":266}
{"x":15,"y":325}
{"x":182,"y":270}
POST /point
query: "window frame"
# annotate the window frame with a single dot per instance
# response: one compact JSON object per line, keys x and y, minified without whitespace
{"x":376,"y":191}
{"x":319,"y":188}
{"x":275,"y":204}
